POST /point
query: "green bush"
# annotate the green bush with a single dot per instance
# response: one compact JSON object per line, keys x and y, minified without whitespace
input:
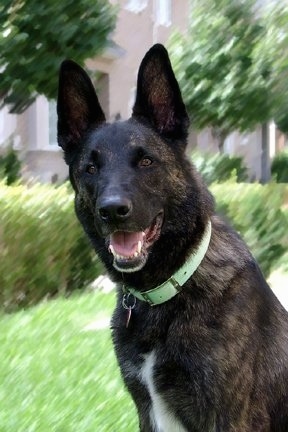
{"x":43,"y":250}
{"x":10,"y":167}
{"x":259,"y":213}
{"x":279,"y":167}
{"x":219,"y":167}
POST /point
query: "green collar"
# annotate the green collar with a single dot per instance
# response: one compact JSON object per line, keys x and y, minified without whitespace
{"x":173,"y":285}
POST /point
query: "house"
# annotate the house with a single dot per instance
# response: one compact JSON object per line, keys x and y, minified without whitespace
{"x":140,"y":24}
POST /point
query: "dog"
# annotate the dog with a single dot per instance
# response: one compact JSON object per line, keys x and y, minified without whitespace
{"x":201,"y":340}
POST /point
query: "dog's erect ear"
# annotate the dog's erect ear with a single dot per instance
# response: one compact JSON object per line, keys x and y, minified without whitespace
{"x":158,"y":97}
{"x":78,"y":107}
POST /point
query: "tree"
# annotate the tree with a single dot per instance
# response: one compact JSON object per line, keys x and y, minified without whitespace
{"x":274,"y":47}
{"x":37,"y":36}
{"x":227,"y":81}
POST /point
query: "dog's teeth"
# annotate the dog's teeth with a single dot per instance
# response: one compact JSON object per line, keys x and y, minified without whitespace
{"x":139,"y":247}
{"x":120,"y":257}
{"x":111,"y":250}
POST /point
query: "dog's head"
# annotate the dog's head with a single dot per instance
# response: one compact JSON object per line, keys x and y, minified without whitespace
{"x":131,"y":177}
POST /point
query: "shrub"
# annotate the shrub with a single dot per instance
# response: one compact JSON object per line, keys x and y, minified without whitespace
{"x":10,"y":167}
{"x":259,"y":213}
{"x":220,"y":167}
{"x":279,"y":167}
{"x":43,"y":250}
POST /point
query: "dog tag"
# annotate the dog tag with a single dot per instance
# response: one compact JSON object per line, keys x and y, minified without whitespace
{"x":128,"y":303}
{"x":128,"y":316}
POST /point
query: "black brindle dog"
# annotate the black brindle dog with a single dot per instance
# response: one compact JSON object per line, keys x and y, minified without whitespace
{"x":201,"y":340}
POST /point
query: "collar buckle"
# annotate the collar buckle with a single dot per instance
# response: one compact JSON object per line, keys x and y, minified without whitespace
{"x":163,"y":293}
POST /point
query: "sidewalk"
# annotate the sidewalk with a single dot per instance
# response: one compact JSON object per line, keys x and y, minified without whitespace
{"x":279,"y":284}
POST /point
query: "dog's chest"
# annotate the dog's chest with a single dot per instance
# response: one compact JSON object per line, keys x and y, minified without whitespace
{"x":161,"y":417}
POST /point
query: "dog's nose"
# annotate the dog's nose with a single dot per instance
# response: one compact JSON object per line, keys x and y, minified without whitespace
{"x":114,"y":209}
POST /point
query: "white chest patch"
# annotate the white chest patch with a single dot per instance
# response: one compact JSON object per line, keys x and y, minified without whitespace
{"x":162,"y":420}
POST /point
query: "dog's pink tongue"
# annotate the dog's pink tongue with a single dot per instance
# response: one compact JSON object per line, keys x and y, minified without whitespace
{"x":126,"y":243}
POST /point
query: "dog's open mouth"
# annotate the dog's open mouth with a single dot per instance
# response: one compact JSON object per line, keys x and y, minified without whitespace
{"x":130,"y":249}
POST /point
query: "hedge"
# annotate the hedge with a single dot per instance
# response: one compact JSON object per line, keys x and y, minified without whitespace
{"x":279,"y":167}
{"x":43,"y":250}
{"x":10,"y":167}
{"x":260,"y":214}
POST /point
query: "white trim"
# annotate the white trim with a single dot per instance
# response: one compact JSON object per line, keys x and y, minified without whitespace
{"x":52,"y":123}
{"x":272,"y":139}
{"x":163,"y":12}
{"x":135,"y":6}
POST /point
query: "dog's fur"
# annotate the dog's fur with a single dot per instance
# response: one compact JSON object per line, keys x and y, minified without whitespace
{"x":215,"y":357}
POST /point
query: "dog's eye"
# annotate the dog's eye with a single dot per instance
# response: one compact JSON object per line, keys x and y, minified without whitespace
{"x":145,"y":161}
{"x":91,"y":169}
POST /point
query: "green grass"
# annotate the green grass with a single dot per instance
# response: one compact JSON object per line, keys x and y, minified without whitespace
{"x":56,"y":375}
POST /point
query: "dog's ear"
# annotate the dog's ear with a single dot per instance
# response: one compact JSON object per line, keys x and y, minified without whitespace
{"x":78,"y":107}
{"x":158,"y":97}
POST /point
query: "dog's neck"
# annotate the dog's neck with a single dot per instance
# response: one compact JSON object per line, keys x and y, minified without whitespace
{"x":172,"y":286}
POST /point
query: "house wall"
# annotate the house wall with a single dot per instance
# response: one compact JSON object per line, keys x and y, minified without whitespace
{"x":137,"y":29}
{"x":139,"y":26}
{"x":248,"y":146}
{"x":42,"y":160}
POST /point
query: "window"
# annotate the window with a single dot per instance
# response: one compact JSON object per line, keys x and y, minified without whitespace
{"x":163,"y":12}
{"x":136,"y":5}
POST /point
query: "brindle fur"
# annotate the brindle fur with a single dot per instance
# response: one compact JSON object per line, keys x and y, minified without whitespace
{"x":221,"y":344}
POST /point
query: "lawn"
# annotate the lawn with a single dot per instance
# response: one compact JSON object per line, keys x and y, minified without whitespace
{"x":58,"y":370}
